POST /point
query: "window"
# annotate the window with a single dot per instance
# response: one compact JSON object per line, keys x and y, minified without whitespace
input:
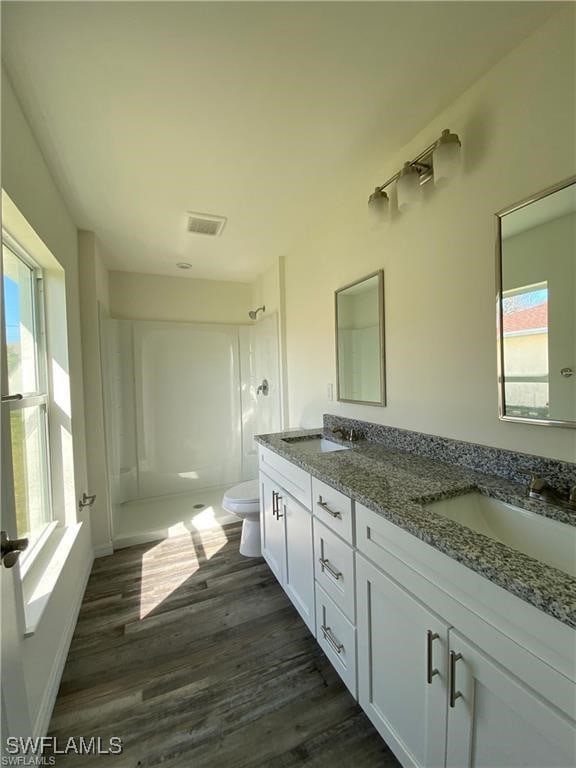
{"x":27,"y":390}
{"x":525,"y":338}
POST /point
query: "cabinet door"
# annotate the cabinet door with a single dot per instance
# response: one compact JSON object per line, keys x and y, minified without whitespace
{"x":299,"y":559}
{"x":272,"y":528}
{"x":495,"y":721}
{"x":402,"y":668}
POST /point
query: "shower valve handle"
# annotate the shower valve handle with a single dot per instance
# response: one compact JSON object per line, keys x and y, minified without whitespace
{"x":264,"y":388}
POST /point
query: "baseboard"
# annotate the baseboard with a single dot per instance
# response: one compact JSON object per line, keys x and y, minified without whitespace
{"x":103,"y":550}
{"x":51,"y":691}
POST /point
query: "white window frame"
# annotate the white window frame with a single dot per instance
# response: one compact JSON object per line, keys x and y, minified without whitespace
{"x":39,"y":398}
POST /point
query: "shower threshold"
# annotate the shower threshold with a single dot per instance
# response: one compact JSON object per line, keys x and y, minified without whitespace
{"x":138,"y":522}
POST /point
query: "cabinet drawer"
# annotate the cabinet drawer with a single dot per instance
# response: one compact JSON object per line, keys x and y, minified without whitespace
{"x":334,"y":509}
{"x":295,"y":480}
{"x":337,"y":638}
{"x":334,"y":568}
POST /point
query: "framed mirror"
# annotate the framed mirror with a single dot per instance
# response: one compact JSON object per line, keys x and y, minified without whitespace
{"x":536,"y":308}
{"x":360,"y":341}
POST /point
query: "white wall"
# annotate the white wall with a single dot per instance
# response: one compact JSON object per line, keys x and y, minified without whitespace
{"x":94,"y":294}
{"x":29,"y":185}
{"x":269,"y":290}
{"x":135,"y":296}
{"x":517,"y":126}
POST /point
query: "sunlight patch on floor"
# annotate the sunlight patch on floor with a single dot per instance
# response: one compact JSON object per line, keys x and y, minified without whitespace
{"x":200,"y":539}
{"x":155,"y":585}
{"x":211,"y":533}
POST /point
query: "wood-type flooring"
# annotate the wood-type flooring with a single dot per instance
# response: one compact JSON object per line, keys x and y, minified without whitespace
{"x":193,"y":655}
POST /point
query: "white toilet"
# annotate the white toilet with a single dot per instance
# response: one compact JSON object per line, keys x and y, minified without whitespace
{"x":244,"y":500}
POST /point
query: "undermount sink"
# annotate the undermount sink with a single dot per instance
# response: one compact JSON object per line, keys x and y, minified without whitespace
{"x":547,"y":540}
{"x":316,"y":444}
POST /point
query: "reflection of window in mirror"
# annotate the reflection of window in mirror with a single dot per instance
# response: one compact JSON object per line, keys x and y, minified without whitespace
{"x":525,"y":339}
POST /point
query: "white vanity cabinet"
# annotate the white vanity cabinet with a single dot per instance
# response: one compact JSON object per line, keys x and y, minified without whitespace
{"x":438,"y":697}
{"x":286,"y":531}
{"x":453,"y":671}
{"x":402,"y":668}
{"x":495,"y":720}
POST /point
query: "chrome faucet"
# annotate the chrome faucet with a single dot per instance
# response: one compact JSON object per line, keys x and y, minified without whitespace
{"x":538,"y":488}
{"x":352,"y":435}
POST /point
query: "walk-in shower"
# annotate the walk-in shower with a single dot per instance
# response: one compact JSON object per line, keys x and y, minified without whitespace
{"x":182,"y":407}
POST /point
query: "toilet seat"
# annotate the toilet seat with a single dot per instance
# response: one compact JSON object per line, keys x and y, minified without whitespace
{"x":244,"y":497}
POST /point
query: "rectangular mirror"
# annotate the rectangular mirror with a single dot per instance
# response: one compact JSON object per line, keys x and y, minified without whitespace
{"x":360,"y":341}
{"x":536,"y":284}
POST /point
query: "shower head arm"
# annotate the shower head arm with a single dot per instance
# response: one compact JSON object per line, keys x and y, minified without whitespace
{"x":253,"y":314}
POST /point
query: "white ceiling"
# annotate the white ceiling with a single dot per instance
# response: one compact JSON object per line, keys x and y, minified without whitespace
{"x":146,"y":110}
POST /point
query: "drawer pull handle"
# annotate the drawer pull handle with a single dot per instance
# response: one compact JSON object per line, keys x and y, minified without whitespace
{"x":430,"y":670}
{"x":331,"y":640}
{"x":454,"y":694}
{"x":323,"y":505}
{"x":325,"y":564}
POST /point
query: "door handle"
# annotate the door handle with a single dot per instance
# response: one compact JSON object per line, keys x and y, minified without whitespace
{"x":276,"y":505}
{"x":454,"y":694}
{"x":430,"y":670}
{"x":10,"y":549}
{"x":87,"y":500}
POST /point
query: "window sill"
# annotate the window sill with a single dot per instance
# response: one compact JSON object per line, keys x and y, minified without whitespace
{"x":42,"y":573}
{"x":29,"y":556}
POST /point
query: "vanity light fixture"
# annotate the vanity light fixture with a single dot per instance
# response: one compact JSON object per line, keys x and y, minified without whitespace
{"x":379,"y":203}
{"x":438,"y":161}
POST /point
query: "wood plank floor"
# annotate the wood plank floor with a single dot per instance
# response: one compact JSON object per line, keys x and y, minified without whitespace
{"x":194,"y":656}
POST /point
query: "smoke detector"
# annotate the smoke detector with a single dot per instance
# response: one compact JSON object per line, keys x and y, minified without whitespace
{"x":204,"y":224}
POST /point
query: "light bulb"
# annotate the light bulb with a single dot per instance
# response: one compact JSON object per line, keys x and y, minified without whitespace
{"x":379,"y":204}
{"x":446,"y":156}
{"x":408,"y":189}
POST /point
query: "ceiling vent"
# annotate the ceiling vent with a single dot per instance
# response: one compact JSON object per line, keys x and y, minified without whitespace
{"x":205,"y":224}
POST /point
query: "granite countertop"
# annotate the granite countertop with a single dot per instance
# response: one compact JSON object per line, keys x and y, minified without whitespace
{"x":398,"y":484}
